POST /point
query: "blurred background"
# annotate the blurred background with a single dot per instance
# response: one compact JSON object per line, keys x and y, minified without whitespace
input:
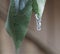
{"x":36,"y":42}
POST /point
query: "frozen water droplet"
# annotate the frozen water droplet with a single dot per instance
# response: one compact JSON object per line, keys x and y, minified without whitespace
{"x":38,"y":22}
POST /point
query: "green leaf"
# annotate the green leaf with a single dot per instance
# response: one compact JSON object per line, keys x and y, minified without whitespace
{"x":34,"y":6}
{"x":38,"y":7}
{"x":19,"y":15}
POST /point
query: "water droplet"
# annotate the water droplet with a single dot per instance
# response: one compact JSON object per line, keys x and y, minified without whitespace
{"x":38,"y":22}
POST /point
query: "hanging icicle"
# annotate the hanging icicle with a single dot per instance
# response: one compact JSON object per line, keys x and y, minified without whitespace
{"x":38,"y":8}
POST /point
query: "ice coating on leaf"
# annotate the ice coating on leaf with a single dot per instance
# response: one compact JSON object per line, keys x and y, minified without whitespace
{"x":20,"y":4}
{"x":16,"y":4}
{"x":23,"y":4}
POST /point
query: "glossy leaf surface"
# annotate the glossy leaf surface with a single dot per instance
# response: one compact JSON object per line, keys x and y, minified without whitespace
{"x":38,"y":7}
{"x":19,"y":15}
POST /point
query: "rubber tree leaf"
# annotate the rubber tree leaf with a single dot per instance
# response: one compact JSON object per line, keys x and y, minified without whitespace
{"x":38,"y":8}
{"x":19,"y":15}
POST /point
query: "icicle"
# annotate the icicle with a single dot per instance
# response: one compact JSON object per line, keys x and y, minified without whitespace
{"x":38,"y":15}
{"x":38,"y":22}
